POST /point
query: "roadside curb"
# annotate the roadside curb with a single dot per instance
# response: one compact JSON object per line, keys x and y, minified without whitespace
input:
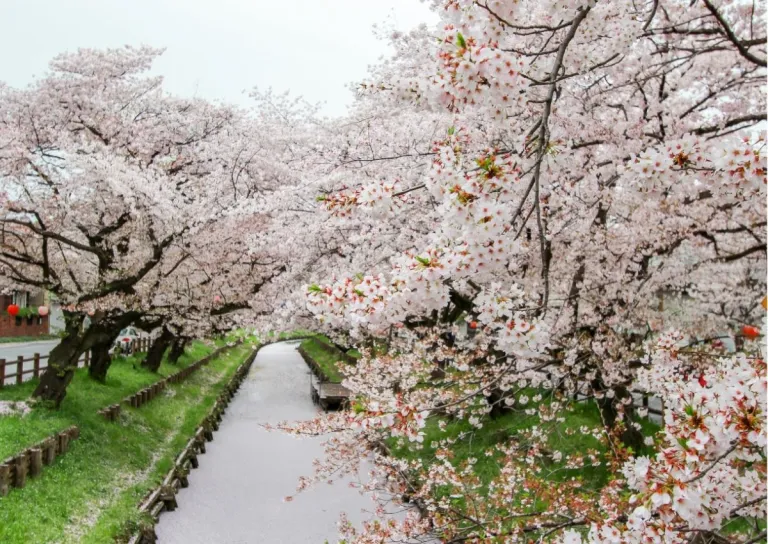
{"x":4,"y":345}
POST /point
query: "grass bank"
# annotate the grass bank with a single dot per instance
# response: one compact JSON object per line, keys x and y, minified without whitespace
{"x":328,"y":358}
{"x":84,"y":398}
{"x":480,"y":447}
{"x":91,"y":493}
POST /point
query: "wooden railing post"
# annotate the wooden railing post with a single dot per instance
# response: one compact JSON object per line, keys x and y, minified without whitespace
{"x":19,"y":369}
{"x":86,"y":358}
{"x":2,"y":372}
{"x":36,"y":358}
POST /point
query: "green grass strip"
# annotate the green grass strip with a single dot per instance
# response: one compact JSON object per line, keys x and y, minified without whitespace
{"x":18,"y":339}
{"x":84,"y":398}
{"x":90,"y":494}
{"x":328,"y":359}
{"x":481,"y":444}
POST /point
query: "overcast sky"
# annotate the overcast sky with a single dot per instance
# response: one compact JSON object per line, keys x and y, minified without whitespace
{"x":215,"y":48}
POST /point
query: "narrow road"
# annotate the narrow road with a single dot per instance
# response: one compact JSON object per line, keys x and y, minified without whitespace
{"x":10,"y":352}
{"x":236,"y":496}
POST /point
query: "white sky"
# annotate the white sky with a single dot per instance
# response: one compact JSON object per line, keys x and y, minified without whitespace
{"x":215,"y":48}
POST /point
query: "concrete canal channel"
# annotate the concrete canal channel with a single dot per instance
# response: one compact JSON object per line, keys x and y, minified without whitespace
{"x":237,"y":494}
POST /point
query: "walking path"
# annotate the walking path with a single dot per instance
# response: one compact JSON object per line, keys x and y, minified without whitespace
{"x":236,"y":496}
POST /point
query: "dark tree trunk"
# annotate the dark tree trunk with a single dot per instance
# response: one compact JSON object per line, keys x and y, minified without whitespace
{"x":496,"y":400}
{"x":100,"y":361}
{"x":630,"y":436}
{"x":156,"y":350}
{"x":177,"y":349}
{"x":103,"y":334}
{"x":62,"y":360}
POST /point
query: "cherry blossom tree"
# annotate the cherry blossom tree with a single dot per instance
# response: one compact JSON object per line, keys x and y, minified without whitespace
{"x":103,"y":176}
{"x":599,"y":179}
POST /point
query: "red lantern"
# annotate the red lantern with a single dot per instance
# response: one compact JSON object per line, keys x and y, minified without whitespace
{"x":42,"y":311}
{"x":473,"y":324}
{"x":13,"y":310}
{"x":747,"y":330}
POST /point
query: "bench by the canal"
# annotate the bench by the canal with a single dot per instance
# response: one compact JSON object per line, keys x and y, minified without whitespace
{"x":328,"y":394}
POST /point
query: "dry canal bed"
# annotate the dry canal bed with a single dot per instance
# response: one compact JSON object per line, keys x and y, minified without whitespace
{"x":236,"y":496}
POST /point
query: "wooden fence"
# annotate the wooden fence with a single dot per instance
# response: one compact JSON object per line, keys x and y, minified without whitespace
{"x":39,"y":363}
{"x":14,"y":470}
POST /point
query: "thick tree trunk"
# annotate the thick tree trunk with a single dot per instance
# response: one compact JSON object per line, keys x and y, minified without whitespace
{"x":156,"y":350}
{"x":630,"y":436}
{"x":177,"y":349}
{"x":100,"y":361}
{"x":62,"y":360}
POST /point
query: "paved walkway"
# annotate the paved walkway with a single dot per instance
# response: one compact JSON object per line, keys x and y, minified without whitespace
{"x":236,"y":496}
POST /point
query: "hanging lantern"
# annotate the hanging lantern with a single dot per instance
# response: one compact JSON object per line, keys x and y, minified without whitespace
{"x":42,"y":311}
{"x":747,"y":330}
{"x":13,"y":310}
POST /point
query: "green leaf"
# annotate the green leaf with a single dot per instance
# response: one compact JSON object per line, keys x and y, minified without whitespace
{"x":315,"y":288}
{"x":485,"y":164}
{"x":460,"y":40}
{"x":320,"y":198}
{"x":451,"y":131}
{"x":423,"y":260}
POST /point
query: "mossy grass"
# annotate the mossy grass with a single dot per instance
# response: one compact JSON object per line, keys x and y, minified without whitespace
{"x":481,"y":444}
{"x":328,"y":358}
{"x":90,"y":494}
{"x":84,"y":397}
{"x":297,"y":334}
